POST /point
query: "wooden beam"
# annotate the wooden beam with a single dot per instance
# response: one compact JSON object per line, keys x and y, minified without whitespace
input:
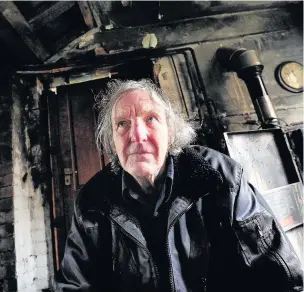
{"x":80,"y":45}
{"x":50,"y":14}
{"x":99,"y":10}
{"x":96,"y":12}
{"x":12,"y":14}
{"x":203,"y":29}
{"x":86,"y":13}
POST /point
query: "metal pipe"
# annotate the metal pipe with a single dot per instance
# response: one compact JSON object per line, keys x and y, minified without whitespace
{"x":249,"y":68}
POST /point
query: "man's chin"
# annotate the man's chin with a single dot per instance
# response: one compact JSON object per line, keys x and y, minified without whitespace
{"x":142,"y":169}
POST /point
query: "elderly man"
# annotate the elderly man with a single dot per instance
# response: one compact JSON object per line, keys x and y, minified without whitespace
{"x":166,"y":216}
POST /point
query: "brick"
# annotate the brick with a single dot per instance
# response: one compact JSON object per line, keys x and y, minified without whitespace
{"x":5,"y":154}
{"x":6,"y":192}
{"x":6,"y":168}
{"x":8,"y":285}
{"x":7,"y":271}
{"x":5,"y":121}
{"x":41,"y":261}
{"x":7,"y":244}
{"x":6,"y":180}
{"x":6,"y":230}
{"x":41,"y":248}
{"x":7,"y":217}
{"x":7,"y":257}
{"x":6,"y":204}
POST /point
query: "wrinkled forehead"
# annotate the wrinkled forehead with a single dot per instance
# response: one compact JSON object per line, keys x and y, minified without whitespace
{"x":139,"y":98}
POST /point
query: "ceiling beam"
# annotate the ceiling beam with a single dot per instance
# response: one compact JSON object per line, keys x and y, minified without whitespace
{"x":12,"y":14}
{"x":203,"y":29}
{"x":95,"y":12}
{"x":50,"y":14}
{"x":86,"y":13}
{"x":79,"y":46}
{"x":99,"y":10}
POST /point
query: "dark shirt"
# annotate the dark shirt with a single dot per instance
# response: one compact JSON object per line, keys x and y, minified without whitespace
{"x":151,"y":210}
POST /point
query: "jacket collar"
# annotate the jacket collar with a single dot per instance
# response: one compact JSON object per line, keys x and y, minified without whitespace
{"x":193,"y":172}
{"x":194,"y":177}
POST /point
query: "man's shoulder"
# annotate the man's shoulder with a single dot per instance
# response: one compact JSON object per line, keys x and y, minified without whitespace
{"x":198,"y":157}
{"x":211,"y":156}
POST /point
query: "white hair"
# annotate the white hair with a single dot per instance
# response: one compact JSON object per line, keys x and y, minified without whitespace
{"x":181,"y":132}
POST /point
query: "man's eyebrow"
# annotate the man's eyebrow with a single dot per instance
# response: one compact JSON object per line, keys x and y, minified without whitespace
{"x":120,"y":117}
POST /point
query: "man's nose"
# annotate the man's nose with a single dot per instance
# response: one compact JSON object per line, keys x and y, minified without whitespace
{"x":138,"y":131}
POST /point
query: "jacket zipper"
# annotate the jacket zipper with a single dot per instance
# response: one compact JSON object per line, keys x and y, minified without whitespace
{"x":138,"y":243}
{"x":172,"y":287}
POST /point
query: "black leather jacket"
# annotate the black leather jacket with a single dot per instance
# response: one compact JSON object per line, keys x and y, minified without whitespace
{"x":220,"y":236}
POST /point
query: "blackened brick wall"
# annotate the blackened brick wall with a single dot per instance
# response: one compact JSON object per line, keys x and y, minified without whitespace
{"x":7,"y":248}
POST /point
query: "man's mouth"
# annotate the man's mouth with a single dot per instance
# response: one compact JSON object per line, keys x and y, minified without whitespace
{"x":140,"y":153}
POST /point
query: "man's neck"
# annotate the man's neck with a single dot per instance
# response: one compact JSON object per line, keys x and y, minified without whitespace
{"x":149,"y":185}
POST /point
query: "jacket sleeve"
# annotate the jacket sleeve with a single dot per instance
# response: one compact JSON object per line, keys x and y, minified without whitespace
{"x":264,"y":247}
{"x":76,"y":266}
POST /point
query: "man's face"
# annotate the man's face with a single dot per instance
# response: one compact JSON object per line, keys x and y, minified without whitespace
{"x":140,"y":134}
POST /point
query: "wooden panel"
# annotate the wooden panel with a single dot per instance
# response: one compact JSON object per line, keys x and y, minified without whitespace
{"x":87,"y":157}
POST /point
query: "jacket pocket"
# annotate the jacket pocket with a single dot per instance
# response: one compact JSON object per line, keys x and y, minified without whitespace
{"x":268,"y":254}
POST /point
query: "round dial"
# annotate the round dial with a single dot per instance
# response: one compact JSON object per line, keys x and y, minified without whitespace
{"x":290,"y":76}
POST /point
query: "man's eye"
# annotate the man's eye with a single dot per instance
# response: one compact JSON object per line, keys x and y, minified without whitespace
{"x":122,"y":124}
{"x":150,"y":119}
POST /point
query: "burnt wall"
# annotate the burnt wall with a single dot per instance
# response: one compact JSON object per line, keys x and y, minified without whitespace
{"x":7,"y":255}
{"x":33,"y":239}
{"x":230,"y":93}
{"x":276,"y":34}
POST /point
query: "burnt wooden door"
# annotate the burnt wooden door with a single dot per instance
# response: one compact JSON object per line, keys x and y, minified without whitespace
{"x":74,"y":155}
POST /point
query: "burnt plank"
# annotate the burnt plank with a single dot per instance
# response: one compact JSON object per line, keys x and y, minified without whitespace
{"x":86,"y":13}
{"x":50,"y":14}
{"x":95,"y":8}
{"x":11,"y":13}
{"x":57,"y":174}
{"x":223,"y":26}
{"x":80,"y":45}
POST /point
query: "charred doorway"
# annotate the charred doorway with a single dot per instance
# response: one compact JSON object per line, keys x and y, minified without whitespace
{"x":72,"y":121}
{"x":74,"y":155}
